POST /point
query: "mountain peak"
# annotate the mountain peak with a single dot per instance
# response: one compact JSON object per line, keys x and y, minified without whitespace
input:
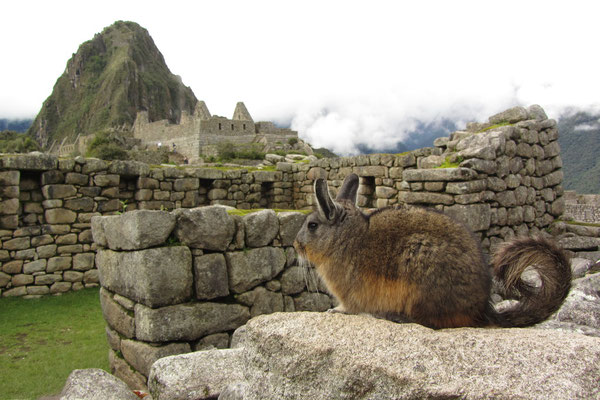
{"x":117,"y":73}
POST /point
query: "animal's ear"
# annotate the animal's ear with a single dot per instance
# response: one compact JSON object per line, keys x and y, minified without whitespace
{"x":324,"y":201}
{"x":349,"y":189}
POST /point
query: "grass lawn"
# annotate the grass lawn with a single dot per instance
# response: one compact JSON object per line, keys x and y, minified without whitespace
{"x":43,"y":340}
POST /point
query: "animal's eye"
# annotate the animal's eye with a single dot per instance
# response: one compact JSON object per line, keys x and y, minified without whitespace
{"x":312,"y":226}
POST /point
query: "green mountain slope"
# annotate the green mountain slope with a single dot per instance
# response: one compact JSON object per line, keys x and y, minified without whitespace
{"x":580,"y":151}
{"x":110,"y":78}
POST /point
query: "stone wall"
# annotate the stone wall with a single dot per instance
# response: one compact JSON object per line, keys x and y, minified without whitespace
{"x":503,"y":178}
{"x":582,"y":207}
{"x":46,"y":205}
{"x":181,"y":281}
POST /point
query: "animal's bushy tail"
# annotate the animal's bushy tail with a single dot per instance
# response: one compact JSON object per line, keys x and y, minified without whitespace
{"x":536,"y":300}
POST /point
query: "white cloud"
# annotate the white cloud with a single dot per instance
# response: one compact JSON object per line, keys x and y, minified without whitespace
{"x":342,"y":72}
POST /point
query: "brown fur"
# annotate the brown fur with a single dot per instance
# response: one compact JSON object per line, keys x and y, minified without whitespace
{"x":414,"y":264}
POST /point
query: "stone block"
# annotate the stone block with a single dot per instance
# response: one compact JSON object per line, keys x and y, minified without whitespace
{"x":128,"y":168}
{"x":579,"y":243}
{"x":60,"y":216}
{"x":209,"y":228}
{"x":85,"y":204}
{"x":553,"y":179}
{"x":9,"y":206}
{"x":384,"y":192}
{"x":506,"y":198}
{"x":58,"y":191}
{"x":60,"y":287}
{"x":480,"y":165}
{"x":293,"y":280}
{"x":466,"y":187}
{"x":22,"y":280}
{"x":46,"y":251}
{"x":208,"y":173}
{"x":31,"y":162}
{"x":9,"y":222}
{"x":16,"y":244}
{"x":137,"y":229}
{"x":248,"y":269}
{"x":47,"y":279}
{"x":105,"y":180}
{"x":260,"y":227}
{"x":512,"y":115}
{"x":69,"y":249}
{"x":475,"y":216}
{"x":187,"y":322}
{"x":214,"y":341}
{"x":141,"y":355}
{"x":217,"y":194}
{"x":10,"y":178}
{"x":38,"y":290}
{"x":51,"y":177}
{"x":15,"y":292}
{"x":34,"y":266}
{"x":210,"y":276}
{"x":97,"y":384}
{"x":9,"y":191}
{"x":116,"y":316}
{"x":83,"y":261}
{"x":439,"y":174}
{"x":267,"y":176}
{"x":185,"y":184}
{"x":58,"y":264}
{"x":425,"y":198}
{"x":27,"y":254}
{"x":262,"y":301}
{"x":73,"y":276}
{"x":74,"y":178}
{"x":289,"y":226}
{"x":370,"y":170}
{"x":155,"y":277}
{"x":312,"y":302}
{"x":91,"y":276}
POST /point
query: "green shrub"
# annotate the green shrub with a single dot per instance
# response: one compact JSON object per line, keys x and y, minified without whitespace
{"x":14,"y":142}
{"x":292,"y":141}
{"x":106,"y":147}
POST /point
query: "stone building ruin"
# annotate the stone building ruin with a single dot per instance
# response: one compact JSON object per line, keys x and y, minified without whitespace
{"x":198,"y":135}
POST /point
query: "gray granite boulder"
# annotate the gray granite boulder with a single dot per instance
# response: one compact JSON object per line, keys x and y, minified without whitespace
{"x":336,"y":356}
{"x":95,"y":384}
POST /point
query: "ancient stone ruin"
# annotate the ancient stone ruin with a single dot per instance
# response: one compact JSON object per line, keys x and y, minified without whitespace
{"x":178,"y":276}
{"x":199,"y":135}
{"x":503,"y":178}
{"x":222,"y":270}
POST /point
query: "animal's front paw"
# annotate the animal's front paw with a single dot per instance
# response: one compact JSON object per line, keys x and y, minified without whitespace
{"x":338,"y":310}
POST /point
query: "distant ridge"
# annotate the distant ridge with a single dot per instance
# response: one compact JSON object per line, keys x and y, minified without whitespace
{"x":20,"y":125}
{"x":110,"y":78}
{"x":579,"y":139}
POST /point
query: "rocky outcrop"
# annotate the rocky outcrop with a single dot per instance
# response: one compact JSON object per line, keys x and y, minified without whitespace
{"x":120,"y":66}
{"x":95,"y":384}
{"x":335,"y":356}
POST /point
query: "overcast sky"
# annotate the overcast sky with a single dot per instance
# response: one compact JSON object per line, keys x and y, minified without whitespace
{"x":341,"y":72}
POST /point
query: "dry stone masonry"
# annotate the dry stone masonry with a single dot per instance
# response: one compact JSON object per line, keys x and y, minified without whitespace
{"x":502,"y":178}
{"x":175,"y":282}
